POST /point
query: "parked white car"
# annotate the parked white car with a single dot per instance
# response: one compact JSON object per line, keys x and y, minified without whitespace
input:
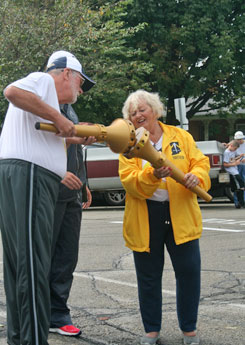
{"x":102,"y":171}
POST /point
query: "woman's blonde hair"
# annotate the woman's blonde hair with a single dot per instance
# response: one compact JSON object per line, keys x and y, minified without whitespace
{"x":152,"y":99}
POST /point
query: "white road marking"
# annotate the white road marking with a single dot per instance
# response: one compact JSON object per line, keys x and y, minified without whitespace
{"x":119,"y":282}
{"x":224,"y":221}
{"x":242,"y":306}
{"x":214,"y":220}
{"x":220,"y":229}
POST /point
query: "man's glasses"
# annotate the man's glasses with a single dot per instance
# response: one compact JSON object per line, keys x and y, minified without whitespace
{"x":82,"y":80}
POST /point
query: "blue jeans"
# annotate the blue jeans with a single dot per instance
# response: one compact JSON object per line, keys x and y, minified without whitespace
{"x":186,"y":262}
{"x":241,"y":169}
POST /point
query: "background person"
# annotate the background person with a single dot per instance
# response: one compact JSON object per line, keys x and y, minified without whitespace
{"x":239,"y":136}
{"x":31,"y":167}
{"x":160,"y":212}
{"x":67,"y":224}
{"x":231,"y":162}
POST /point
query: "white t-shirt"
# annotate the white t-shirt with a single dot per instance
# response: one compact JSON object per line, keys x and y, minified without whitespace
{"x":229,"y":156}
{"x":161,"y":194}
{"x":19,"y":138}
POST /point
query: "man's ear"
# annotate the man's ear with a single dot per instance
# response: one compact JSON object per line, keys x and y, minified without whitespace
{"x":66,"y":73}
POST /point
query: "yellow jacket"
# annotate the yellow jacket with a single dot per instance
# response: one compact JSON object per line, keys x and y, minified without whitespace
{"x":140,"y":184}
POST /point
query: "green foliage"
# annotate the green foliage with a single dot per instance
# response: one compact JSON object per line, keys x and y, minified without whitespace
{"x":179,"y":48}
{"x":197,"y":49}
{"x":32,"y":30}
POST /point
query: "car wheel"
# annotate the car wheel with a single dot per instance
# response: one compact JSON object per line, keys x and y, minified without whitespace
{"x":115,"y":198}
{"x":229,"y":194}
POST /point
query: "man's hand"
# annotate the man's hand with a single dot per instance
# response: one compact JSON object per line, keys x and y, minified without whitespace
{"x":87,"y":140}
{"x":89,"y":201}
{"x":65,"y":127}
{"x":80,"y":140}
{"x":71,"y":181}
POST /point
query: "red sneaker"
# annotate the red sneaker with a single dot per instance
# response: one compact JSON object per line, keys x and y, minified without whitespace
{"x":69,"y":330}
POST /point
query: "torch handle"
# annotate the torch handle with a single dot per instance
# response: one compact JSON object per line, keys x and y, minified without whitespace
{"x":81,"y":130}
{"x":178,"y":176}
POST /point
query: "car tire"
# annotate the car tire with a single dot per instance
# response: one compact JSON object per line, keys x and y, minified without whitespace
{"x":115,"y":198}
{"x":229,"y":194}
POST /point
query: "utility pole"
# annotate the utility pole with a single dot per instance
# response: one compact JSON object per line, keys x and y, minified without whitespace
{"x":180,"y":112}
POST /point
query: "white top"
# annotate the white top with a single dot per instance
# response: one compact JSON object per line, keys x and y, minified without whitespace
{"x":19,"y":138}
{"x":240,"y":150}
{"x":229,"y":156}
{"x":161,"y":194}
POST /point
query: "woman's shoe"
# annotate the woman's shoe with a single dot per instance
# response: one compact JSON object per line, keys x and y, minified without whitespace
{"x":148,"y":340}
{"x":188,"y":340}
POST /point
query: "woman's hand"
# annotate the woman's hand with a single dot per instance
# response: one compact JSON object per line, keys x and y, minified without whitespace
{"x":162,"y":172}
{"x":191,"y":180}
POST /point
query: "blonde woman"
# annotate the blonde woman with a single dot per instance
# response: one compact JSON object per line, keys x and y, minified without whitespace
{"x":160,"y":212}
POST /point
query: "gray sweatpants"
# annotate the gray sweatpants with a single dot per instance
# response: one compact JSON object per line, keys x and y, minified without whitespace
{"x":28,"y":195}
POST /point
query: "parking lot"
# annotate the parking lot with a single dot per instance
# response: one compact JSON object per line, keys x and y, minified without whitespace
{"x":104,"y":301}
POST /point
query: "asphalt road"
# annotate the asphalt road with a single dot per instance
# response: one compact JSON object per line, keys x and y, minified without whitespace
{"x":104,"y":301}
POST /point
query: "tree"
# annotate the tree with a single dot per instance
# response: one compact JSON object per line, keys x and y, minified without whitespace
{"x":197,"y":49}
{"x":119,"y":67}
{"x":32,"y":30}
{"x":179,"y":48}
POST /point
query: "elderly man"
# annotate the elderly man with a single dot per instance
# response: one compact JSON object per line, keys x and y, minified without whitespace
{"x":67,"y":218}
{"x":31,"y":167}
